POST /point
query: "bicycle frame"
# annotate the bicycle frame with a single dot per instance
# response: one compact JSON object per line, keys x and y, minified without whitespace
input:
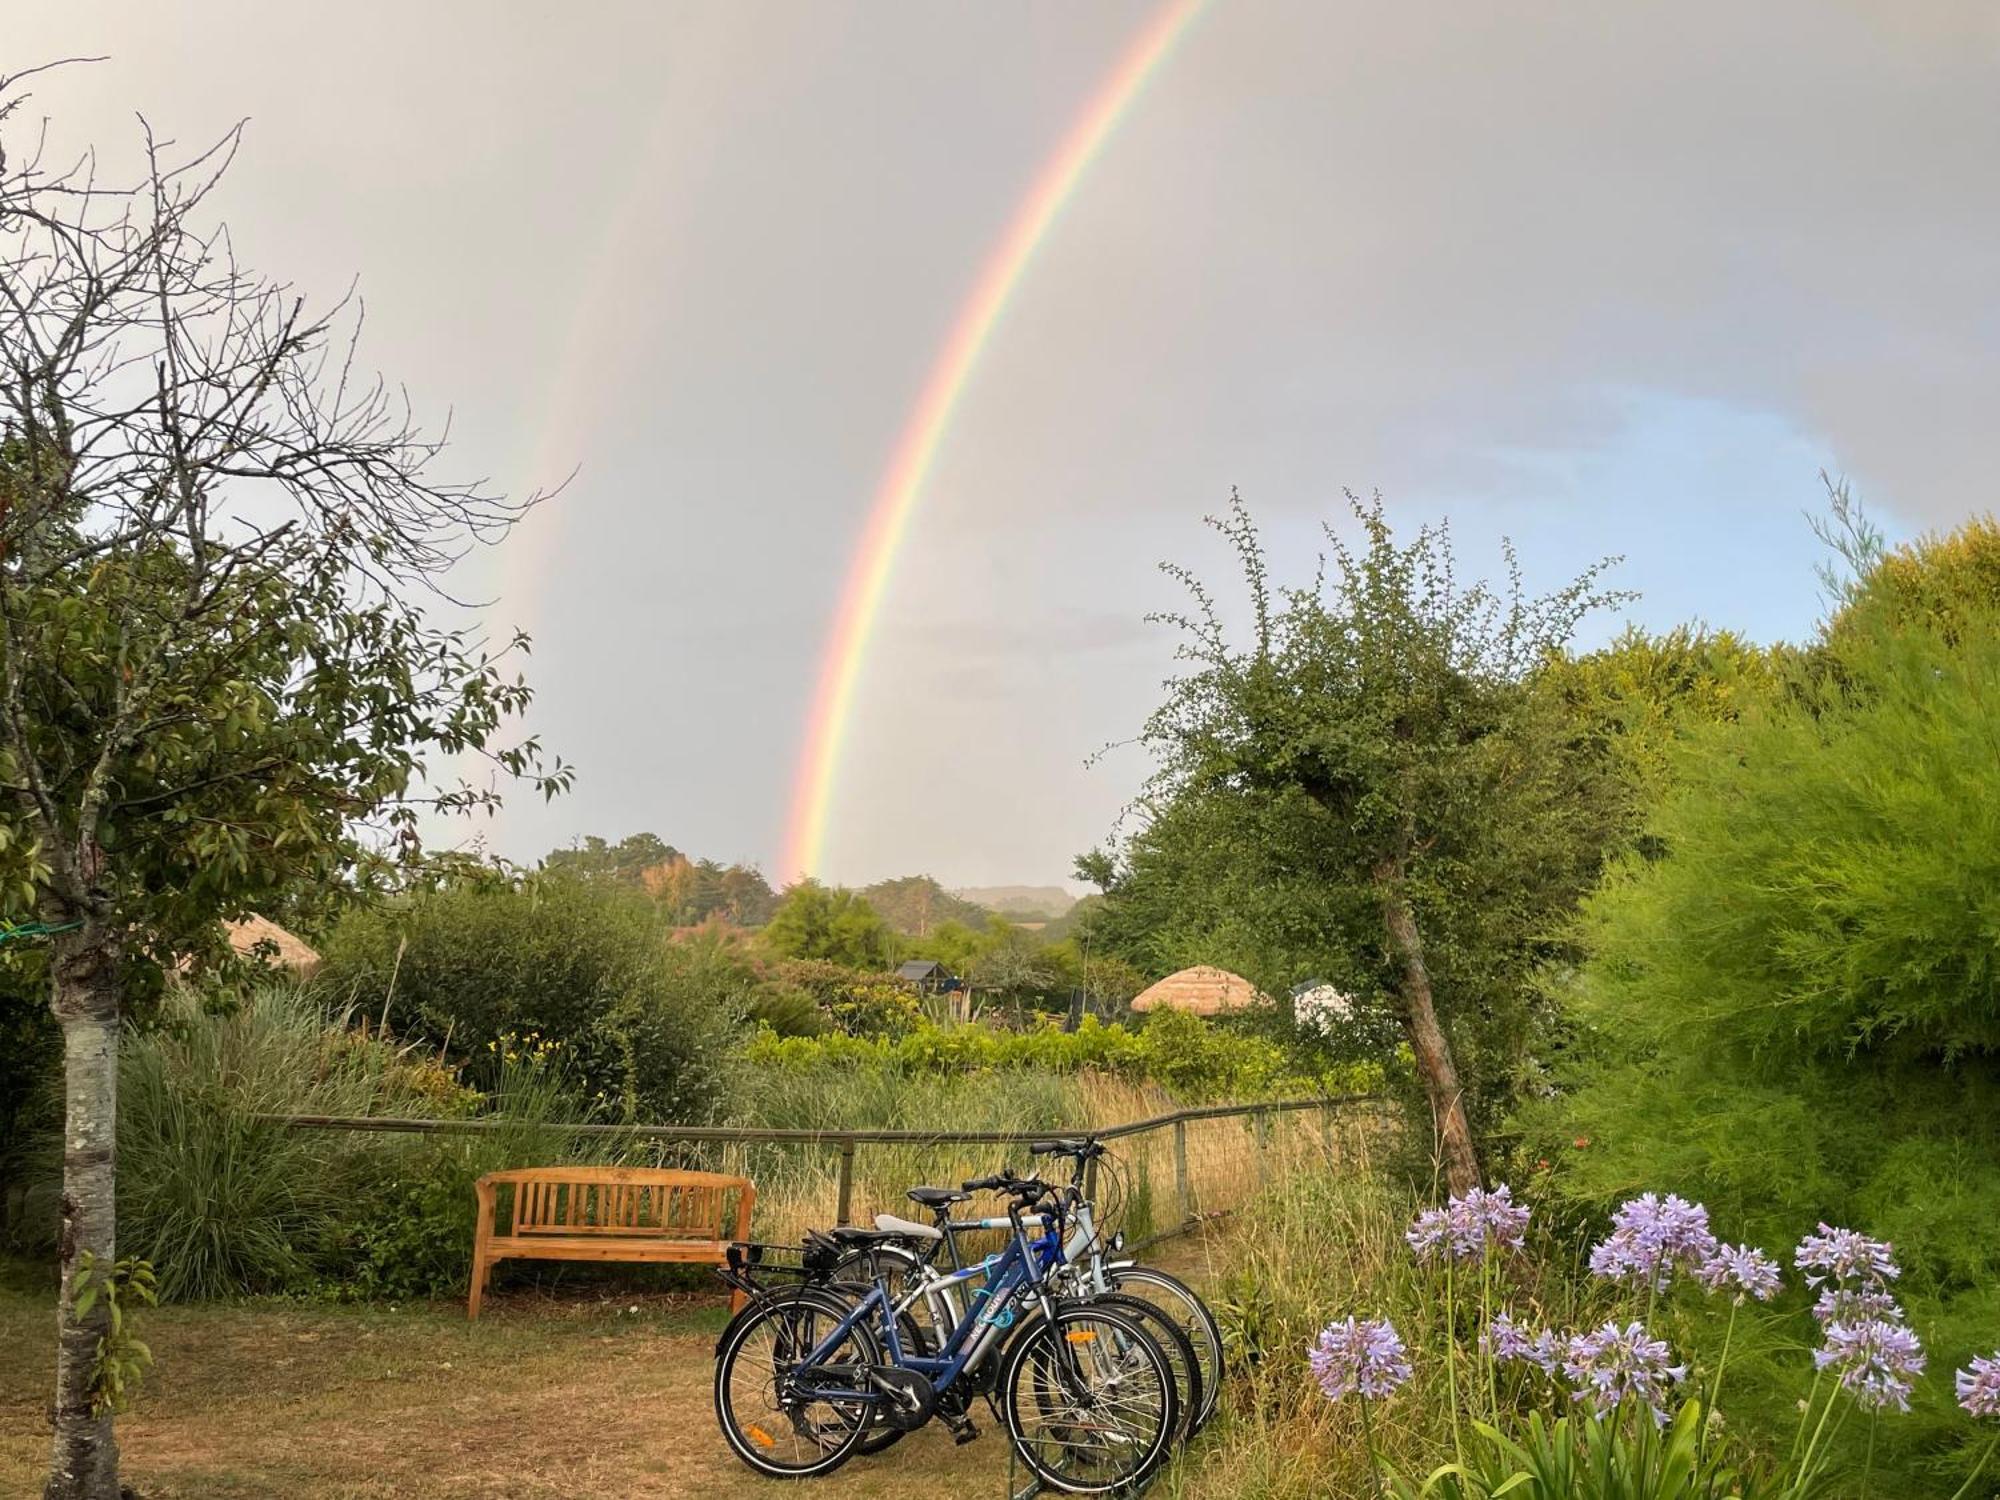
{"x":1008,"y":1273}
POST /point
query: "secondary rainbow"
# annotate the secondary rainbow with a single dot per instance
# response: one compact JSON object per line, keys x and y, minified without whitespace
{"x":929,"y":421}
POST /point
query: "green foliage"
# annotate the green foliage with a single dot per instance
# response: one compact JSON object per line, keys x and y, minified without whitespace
{"x":226,"y":1203}
{"x":688,"y":891}
{"x":831,"y":924}
{"x":1375,"y":745}
{"x":916,"y":905}
{"x":288,"y":713}
{"x":220,"y":1200}
{"x":646,"y":1021}
{"x":1634,"y":702}
{"x":877,"y":1008}
{"x":408,"y":1232}
{"x":1578,"y":1457}
{"x":1796,"y":1011}
{"x":122,"y":1356}
{"x":30,"y":1060}
{"x":1193,"y":1059}
{"x":624,"y":863}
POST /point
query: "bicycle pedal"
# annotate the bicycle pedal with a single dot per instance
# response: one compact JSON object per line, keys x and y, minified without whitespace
{"x":962,"y":1430}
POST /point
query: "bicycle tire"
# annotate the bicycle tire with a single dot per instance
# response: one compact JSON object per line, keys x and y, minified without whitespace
{"x":1175,"y":1344}
{"x":1046,"y":1353}
{"x":1182,"y":1303}
{"x":806,"y":1315}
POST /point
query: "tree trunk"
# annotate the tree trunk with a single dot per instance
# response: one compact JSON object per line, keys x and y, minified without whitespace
{"x":83,"y":1463}
{"x":1427,"y":1038}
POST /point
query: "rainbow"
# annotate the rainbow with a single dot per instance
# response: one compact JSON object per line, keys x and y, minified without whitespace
{"x":929,"y":421}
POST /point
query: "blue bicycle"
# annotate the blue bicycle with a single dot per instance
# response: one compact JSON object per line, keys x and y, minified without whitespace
{"x":1086,"y":1393}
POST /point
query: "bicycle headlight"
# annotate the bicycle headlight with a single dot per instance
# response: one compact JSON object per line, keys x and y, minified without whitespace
{"x":1117,"y":1242}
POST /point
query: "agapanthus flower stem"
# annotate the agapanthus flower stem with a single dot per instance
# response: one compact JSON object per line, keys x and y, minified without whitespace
{"x":1815,"y":1454}
{"x":1868,"y":1464}
{"x":1368,"y":1440}
{"x":1451,"y":1361}
{"x":1805,"y":1416}
{"x":1486,"y":1321}
{"x":1977,"y":1469}
{"x":1721,"y":1366}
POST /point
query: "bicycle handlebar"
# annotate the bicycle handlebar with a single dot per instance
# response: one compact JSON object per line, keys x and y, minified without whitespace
{"x":1082,"y":1150}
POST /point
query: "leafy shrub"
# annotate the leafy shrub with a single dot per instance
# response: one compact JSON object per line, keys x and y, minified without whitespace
{"x":646,"y":1021}
{"x":831,"y":923}
{"x":1185,"y":1054}
{"x":877,"y":1008}
{"x":411,"y":1230}
{"x":1796,"y":1011}
{"x":30,"y":1051}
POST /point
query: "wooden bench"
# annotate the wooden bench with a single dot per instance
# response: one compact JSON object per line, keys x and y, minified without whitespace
{"x":638,"y":1214}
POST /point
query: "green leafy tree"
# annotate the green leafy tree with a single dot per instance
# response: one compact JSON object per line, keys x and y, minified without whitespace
{"x":1791,"y":1005}
{"x":1367,"y":792}
{"x":625,"y":862}
{"x":916,"y":905}
{"x":1016,"y":968}
{"x":830,"y":923}
{"x":222,"y":674}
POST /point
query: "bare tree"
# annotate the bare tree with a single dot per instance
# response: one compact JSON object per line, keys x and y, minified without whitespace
{"x":221,"y":562}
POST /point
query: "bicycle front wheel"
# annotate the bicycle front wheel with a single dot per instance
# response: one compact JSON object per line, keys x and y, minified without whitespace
{"x":1183,"y":1304}
{"x":1089,"y":1399}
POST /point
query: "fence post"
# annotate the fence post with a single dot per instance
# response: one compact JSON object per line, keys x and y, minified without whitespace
{"x":846,"y":1200}
{"x":1181,"y":1172}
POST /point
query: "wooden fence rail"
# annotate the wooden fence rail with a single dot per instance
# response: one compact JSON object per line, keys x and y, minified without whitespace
{"x":847,"y":1142}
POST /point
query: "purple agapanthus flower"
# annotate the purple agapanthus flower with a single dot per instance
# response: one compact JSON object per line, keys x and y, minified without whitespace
{"x":1509,"y":1343}
{"x":1359,"y":1357}
{"x":1749,"y":1270}
{"x":1503,"y":1221}
{"x":1470,"y":1225}
{"x":1979,"y":1386}
{"x":1846,"y":1258}
{"x":1876,"y":1361}
{"x":1431,"y":1234}
{"x":1613,"y":1364}
{"x":1651,"y":1238}
{"x":1857,"y":1304}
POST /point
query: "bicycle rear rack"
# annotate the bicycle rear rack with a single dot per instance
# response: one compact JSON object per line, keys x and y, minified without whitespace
{"x":757,"y":1269}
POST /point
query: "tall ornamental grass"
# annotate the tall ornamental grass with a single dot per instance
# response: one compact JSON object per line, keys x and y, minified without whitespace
{"x":224,"y":1202}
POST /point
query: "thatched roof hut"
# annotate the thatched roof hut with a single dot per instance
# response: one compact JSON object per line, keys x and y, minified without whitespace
{"x":284,"y":950}
{"x":1203,"y":991}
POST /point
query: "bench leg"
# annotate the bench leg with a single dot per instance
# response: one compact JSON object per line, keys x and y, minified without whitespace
{"x":481,"y":1270}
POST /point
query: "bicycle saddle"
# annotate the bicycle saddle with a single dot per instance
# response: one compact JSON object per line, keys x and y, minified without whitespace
{"x":937,"y":1197}
{"x":906,"y":1228}
{"x":888,"y":1230}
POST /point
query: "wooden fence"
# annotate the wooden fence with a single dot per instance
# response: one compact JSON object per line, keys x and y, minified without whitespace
{"x":1215,"y":1156}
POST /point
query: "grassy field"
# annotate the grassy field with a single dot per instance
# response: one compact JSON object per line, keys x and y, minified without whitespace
{"x":577,"y":1395}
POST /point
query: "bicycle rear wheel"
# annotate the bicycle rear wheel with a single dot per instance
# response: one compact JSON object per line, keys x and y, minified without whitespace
{"x":1089,"y":1399}
{"x":1183,"y":1304}
{"x":765,"y":1418}
{"x":1173,"y":1343}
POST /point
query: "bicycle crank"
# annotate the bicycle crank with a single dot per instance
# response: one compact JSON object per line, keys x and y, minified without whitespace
{"x":908,"y":1398}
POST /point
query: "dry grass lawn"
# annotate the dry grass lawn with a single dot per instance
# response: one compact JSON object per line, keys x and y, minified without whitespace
{"x":544,"y":1396}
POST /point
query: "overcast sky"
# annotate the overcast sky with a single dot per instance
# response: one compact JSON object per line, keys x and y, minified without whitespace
{"x":1606,"y":278}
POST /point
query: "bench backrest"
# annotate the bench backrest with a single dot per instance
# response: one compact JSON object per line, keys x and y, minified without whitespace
{"x":648,"y":1202}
